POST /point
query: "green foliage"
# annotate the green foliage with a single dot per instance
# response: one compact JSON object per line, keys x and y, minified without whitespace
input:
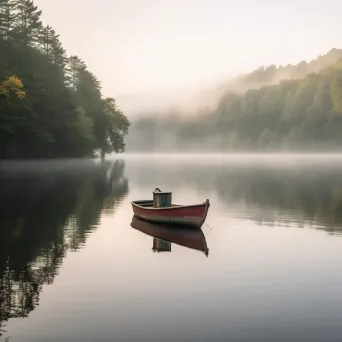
{"x":117,"y":125}
{"x":28,"y":24}
{"x":302,"y":113}
{"x":7,"y":20}
{"x":63,"y":113}
{"x":336,"y":94}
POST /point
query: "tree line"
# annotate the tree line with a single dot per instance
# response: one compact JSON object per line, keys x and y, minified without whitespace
{"x":302,"y":111}
{"x":58,"y":109}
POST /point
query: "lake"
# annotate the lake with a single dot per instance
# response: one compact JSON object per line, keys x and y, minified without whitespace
{"x":72,"y":268}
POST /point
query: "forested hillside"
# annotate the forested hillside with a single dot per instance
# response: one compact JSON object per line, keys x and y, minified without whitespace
{"x":51,"y":104}
{"x":272,"y":74}
{"x":302,"y":111}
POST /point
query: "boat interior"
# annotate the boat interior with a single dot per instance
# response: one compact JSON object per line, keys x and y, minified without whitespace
{"x":149,"y":204}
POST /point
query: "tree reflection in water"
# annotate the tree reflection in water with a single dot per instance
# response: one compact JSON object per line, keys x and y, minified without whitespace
{"x":47,"y":209}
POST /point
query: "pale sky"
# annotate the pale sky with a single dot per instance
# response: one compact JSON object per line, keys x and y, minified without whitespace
{"x":134,"y":46}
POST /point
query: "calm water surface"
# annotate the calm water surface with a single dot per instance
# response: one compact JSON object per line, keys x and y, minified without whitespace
{"x":72,"y":268}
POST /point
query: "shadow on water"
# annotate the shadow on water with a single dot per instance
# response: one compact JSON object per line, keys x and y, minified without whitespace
{"x":46,"y":210}
{"x":166,"y":234}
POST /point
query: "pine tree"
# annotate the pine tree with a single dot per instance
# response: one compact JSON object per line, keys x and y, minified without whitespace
{"x":28,"y":23}
{"x":46,"y":39}
{"x":74,"y":69}
{"x":52,"y":47}
{"x":3,"y":6}
{"x":58,"y":53}
{"x":8,"y":17}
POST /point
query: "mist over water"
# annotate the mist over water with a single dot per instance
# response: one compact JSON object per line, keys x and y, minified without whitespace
{"x":189,"y":101}
{"x":73,"y":268}
{"x":290,"y":108}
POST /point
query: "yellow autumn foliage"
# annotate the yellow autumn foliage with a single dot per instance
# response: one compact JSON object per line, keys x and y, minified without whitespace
{"x":12,"y":87}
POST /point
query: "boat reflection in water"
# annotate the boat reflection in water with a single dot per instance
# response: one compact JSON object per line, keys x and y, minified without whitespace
{"x":165,"y":234}
{"x":160,"y":245}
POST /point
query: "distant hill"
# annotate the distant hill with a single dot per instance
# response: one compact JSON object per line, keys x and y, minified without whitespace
{"x":191,"y":100}
{"x":272,"y":74}
{"x":271,"y":109}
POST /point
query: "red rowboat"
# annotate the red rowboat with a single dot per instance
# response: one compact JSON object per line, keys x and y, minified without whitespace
{"x":190,"y":215}
{"x":171,"y":233}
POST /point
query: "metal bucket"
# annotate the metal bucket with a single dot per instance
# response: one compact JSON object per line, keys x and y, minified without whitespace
{"x":162,"y":199}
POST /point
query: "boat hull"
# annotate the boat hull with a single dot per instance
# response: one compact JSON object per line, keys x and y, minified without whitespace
{"x":191,"y":215}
